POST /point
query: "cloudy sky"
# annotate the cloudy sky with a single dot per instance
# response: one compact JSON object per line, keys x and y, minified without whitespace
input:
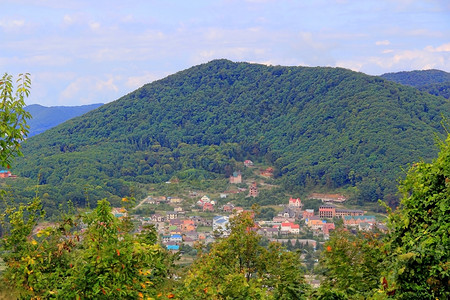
{"x":95,"y":51}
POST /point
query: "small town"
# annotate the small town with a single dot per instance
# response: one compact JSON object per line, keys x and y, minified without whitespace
{"x":201,"y":218}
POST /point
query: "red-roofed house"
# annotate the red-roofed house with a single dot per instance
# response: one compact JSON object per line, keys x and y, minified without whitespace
{"x":248,"y":163}
{"x":295,"y":202}
{"x":290,"y":228}
{"x":208,"y":207}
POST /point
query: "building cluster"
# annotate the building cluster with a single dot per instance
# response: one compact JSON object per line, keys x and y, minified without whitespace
{"x":292,"y":220}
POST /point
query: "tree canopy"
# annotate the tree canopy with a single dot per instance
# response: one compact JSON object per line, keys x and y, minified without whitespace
{"x":327,"y":127}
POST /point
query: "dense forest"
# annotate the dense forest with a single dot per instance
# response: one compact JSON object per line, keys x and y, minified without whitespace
{"x":435,"y":82}
{"x":326,"y":127}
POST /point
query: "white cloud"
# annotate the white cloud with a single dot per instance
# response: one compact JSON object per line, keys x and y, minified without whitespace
{"x":134,"y":82}
{"x":95,"y":26}
{"x":403,"y":60}
{"x":383,"y":43}
{"x":9,"y":25}
{"x":90,"y":89}
{"x":441,"y":48}
{"x":68,"y":20}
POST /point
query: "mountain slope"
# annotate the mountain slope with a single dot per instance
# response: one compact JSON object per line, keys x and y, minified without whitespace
{"x":317,"y":126}
{"x":44,"y":118}
{"x":418,"y":78}
{"x":435,"y":82}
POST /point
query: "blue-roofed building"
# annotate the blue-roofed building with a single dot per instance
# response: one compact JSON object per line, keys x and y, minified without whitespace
{"x":177,"y":238}
{"x":173,"y":247}
{"x":220,"y":223}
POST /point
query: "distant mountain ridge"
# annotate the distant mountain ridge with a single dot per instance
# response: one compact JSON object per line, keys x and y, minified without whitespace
{"x":319,"y":126}
{"x":435,"y":82}
{"x":44,"y":118}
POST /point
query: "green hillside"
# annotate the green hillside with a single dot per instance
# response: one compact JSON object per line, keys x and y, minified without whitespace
{"x":435,"y":82}
{"x":47,"y":117}
{"x":418,"y":78}
{"x":317,"y":126}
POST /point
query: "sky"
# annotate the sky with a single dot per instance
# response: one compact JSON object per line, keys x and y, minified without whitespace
{"x":95,"y":51}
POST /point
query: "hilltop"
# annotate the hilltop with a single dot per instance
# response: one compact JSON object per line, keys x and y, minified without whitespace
{"x":435,"y":82}
{"x":327,"y":127}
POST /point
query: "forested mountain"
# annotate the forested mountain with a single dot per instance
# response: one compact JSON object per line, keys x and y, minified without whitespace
{"x":418,"y":78}
{"x":435,"y":82}
{"x":317,"y":126}
{"x":44,"y":117}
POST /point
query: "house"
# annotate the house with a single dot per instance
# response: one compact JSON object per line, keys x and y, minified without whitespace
{"x":171,"y":215}
{"x":267,"y":172}
{"x":176,"y":222}
{"x":223,"y":195}
{"x":157,"y":218}
{"x":220,"y":223}
{"x":178,"y":209}
{"x":228,"y":207}
{"x":290,"y":228}
{"x":348,"y":212}
{"x":327,"y":211}
{"x":248,"y":163}
{"x":253,"y":190}
{"x":295,"y":229}
{"x":188,"y":225}
{"x":281,"y":219}
{"x":268,"y":231}
{"x":308,"y":213}
{"x":315,"y":223}
{"x":5,"y":174}
{"x":176,"y":238}
{"x":208,"y":207}
{"x":173,"y":247}
{"x":236,"y":177}
{"x":295,"y":202}
{"x":166,"y":238}
{"x":205,"y":199}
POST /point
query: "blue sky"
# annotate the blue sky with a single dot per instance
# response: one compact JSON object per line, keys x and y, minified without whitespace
{"x":84,"y":51}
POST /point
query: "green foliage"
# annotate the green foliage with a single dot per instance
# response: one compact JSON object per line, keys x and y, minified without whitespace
{"x":351,"y":265}
{"x":419,"y":241}
{"x":13,"y":127}
{"x":326,"y":127}
{"x":419,"y":78}
{"x":238,"y":267}
{"x":92,"y":257}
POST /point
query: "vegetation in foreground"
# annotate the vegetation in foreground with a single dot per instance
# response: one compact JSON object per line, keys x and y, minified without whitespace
{"x":107,"y":260}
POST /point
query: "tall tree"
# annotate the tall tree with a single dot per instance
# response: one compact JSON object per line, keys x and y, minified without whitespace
{"x":419,"y":240}
{"x":13,"y":126}
{"x":351,"y":265}
{"x":237,"y":267}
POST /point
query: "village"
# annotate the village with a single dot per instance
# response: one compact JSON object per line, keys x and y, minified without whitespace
{"x":200,"y":218}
